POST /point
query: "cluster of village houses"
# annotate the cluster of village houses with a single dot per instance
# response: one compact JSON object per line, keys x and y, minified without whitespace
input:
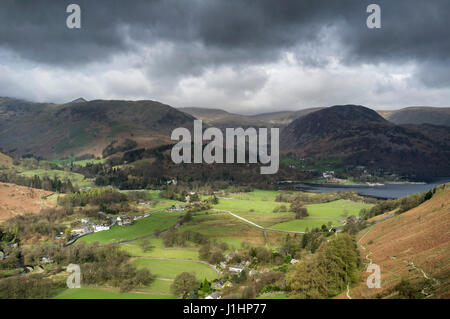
{"x":89,"y":227}
{"x":234,"y":269}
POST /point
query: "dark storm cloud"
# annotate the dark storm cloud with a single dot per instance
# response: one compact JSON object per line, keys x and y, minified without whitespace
{"x":169,"y":41}
{"x":248,"y":30}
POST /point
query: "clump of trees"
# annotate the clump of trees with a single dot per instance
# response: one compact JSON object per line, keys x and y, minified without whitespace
{"x":248,"y":287}
{"x":260,"y":254}
{"x":95,"y":196}
{"x":213,"y":254}
{"x":295,"y":246}
{"x":200,"y":206}
{"x":7,"y":237}
{"x":280,"y":209}
{"x":99,"y":264}
{"x":401,"y":205}
{"x":328,"y":271}
{"x":46,"y":224}
{"x":11,"y":257}
{"x":299,"y":210}
{"x":408,"y":290}
{"x":353,"y":225}
{"x":185,"y":284}
{"x":173,"y":192}
{"x":136,"y":196}
{"x":172,"y":238}
{"x":53,"y":184}
{"x":30,"y":286}
{"x":115,"y":271}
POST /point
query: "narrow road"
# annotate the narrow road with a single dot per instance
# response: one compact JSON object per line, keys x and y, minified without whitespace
{"x":348,"y":292}
{"x":256,"y":225}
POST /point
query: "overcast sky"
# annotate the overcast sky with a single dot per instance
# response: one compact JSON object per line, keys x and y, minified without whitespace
{"x":242,"y":56}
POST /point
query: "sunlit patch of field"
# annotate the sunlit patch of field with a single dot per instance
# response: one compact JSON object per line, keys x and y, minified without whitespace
{"x":257,"y":211}
{"x":108,"y":293}
{"x":166,"y":252}
{"x":323,"y":214}
{"x":225,"y":228}
{"x":157,"y":221}
{"x":75,"y":178}
{"x":158,"y":202}
{"x":162,"y":268}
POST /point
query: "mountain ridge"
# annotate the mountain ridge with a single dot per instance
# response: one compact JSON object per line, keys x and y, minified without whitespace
{"x":56,"y":130}
{"x":360,"y":136}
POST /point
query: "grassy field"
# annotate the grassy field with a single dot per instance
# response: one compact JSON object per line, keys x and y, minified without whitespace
{"x":166,"y":263}
{"x":257,"y":194}
{"x":338,"y":208}
{"x":167,"y":252}
{"x":256,"y":206}
{"x":171,"y":268}
{"x":142,"y":227}
{"x":75,"y":178}
{"x":322,"y":214}
{"x":103,"y":293}
{"x":90,"y":161}
{"x":225,"y":228}
{"x":301,"y":225}
{"x":159,"y":286}
{"x":67,"y":161}
{"x":162,"y":203}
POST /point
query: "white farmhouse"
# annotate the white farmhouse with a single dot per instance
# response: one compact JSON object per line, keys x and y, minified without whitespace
{"x":236,"y":269}
{"x":98,"y":228}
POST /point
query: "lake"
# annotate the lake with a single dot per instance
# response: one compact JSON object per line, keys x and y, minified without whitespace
{"x":383,"y":191}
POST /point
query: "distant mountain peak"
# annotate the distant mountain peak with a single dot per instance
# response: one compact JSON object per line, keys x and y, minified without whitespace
{"x":79,"y":100}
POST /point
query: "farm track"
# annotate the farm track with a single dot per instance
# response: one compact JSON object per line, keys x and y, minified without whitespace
{"x":256,"y":225}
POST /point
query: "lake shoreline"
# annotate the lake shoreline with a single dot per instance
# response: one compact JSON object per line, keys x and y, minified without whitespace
{"x":383,"y":191}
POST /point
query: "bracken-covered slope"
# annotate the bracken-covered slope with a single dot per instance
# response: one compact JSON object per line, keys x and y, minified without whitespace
{"x":414,"y":245}
{"x":84,"y":127}
{"x":18,"y":200}
{"x":5,"y":160}
{"x":359,"y":136}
